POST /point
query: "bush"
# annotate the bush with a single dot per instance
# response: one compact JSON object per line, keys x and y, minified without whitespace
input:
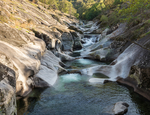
{"x":134,"y":9}
{"x":116,"y":2}
{"x":104,"y":18}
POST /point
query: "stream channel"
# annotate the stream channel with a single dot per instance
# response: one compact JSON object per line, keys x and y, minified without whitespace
{"x":73,"y":94}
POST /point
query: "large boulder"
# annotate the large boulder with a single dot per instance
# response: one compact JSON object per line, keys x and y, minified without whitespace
{"x":67,"y":41}
{"x":27,"y":52}
{"x":77,"y":40}
{"x":48,"y":69}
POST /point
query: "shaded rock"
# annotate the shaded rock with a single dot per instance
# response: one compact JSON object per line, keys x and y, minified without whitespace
{"x":109,"y":31}
{"x":64,"y":57}
{"x":7,"y":99}
{"x":77,"y":41}
{"x":97,"y":31}
{"x":100,"y":54}
{"x":106,"y":81}
{"x":51,"y":39}
{"x":39,"y":83}
{"x":120,"y":108}
{"x":7,"y":90}
{"x":76,"y":29}
{"x":133,"y":83}
{"x":67,"y":42}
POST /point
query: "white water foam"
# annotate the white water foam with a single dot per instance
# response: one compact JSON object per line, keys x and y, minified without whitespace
{"x":70,"y":78}
{"x":91,"y":40}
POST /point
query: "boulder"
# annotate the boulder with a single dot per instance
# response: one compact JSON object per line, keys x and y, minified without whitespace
{"x":77,"y":40}
{"x":100,"y":54}
{"x":120,"y":108}
{"x":67,"y":42}
{"x":48,"y":70}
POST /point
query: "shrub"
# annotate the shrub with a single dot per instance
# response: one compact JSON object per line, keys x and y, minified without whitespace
{"x":104,"y":18}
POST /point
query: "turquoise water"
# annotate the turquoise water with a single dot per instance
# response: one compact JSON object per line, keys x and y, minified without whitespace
{"x":72,"y":94}
{"x":82,"y":63}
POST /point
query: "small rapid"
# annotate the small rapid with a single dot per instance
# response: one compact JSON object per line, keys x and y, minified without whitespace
{"x":90,"y":39}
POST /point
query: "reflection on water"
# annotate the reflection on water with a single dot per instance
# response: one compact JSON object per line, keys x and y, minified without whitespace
{"x":72,"y":94}
{"x":25,"y":105}
{"x":142,"y":104}
{"x":83,"y":63}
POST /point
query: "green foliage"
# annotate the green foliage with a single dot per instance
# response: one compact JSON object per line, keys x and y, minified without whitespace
{"x":76,"y":15}
{"x":83,"y":9}
{"x":93,"y":11}
{"x":90,"y":9}
{"x":133,"y":9}
{"x":104,"y":18}
{"x":51,"y":3}
{"x":116,"y":2}
{"x":67,"y":7}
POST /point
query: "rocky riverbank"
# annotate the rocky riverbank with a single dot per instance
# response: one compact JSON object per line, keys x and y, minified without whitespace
{"x":128,"y":54}
{"x":30,"y":35}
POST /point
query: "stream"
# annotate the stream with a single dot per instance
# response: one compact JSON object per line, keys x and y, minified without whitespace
{"x":73,"y":94}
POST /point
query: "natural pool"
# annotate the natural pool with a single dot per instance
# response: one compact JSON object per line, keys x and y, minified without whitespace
{"x":72,"y":94}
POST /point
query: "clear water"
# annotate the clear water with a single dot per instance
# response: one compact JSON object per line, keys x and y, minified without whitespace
{"x":72,"y":94}
{"x":82,"y":63}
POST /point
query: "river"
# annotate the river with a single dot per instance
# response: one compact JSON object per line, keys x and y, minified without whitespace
{"x":73,"y":94}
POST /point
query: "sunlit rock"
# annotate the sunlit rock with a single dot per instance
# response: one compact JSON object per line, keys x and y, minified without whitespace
{"x":120,"y":108}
